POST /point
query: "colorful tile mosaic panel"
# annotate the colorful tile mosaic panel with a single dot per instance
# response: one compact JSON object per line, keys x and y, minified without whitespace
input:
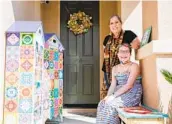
{"x":26,"y":79}
{"x":27,"y":38}
{"x":23,"y":75}
{"x":25,"y":118}
{"x":26,"y":65}
{"x":25,"y":92}
{"x":25,"y":106}
{"x":12,"y":78}
{"x":26,"y":52}
{"x":46,"y":54}
{"x":13,"y":39}
{"x":12,"y":65}
{"x":13,"y":52}
{"x":60,"y":74}
{"x":56,"y":56}
{"x":10,"y":106}
{"x":53,"y":63}
{"x":11,"y":92}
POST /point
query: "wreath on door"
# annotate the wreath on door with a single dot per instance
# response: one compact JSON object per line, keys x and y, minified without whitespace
{"x":79,"y":23}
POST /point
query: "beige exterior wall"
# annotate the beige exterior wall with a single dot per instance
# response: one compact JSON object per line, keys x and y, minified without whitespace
{"x":51,"y":17}
{"x":131,"y":14}
{"x":9,"y":12}
{"x":105,"y":14}
{"x":150,"y":17}
{"x":164,"y":20}
{"x":27,"y":10}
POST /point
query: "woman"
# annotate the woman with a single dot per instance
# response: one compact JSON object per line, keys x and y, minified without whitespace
{"x":125,"y":89}
{"x":110,"y":44}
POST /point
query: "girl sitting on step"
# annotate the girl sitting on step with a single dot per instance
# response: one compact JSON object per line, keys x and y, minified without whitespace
{"x":125,"y":89}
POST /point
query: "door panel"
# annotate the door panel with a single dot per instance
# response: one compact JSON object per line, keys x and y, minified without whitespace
{"x":81,"y":56}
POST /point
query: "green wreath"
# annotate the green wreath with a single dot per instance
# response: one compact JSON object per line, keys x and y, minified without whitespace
{"x":79,"y":23}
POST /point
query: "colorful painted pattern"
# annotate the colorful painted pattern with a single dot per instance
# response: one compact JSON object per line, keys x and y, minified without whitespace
{"x":53,"y":63}
{"x":24,"y":101}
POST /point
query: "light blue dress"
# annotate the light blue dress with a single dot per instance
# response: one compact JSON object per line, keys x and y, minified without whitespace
{"x":106,"y":111}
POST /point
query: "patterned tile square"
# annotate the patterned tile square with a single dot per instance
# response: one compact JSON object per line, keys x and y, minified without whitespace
{"x":12,"y":78}
{"x":26,"y":52}
{"x":26,"y":38}
{"x":11,"y":105}
{"x":26,"y":79}
{"x":12,"y":65}
{"x":25,"y":106}
{"x":12,"y":52}
{"x":13,"y":39}
{"x":11,"y":92}
{"x":25,"y":118}
{"x":25,"y":92}
{"x":26,"y":65}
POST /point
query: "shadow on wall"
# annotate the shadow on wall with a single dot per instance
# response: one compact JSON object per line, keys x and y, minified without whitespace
{"x":27,"y":10}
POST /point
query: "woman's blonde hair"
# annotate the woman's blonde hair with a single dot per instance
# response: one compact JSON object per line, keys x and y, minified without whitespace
{"x":117,"y":16}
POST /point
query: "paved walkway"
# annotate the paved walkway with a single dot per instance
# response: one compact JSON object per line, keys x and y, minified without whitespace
{"x":77,"y":119}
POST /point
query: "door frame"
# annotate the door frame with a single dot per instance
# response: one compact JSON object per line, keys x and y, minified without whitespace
{"x":98,"y":56}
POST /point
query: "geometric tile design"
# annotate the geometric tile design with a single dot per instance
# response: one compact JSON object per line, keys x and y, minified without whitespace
{"x":56,"y":65}
{"x":12,"y":78}
{"x":26,"y":52}
{"x":61,"y":93}
{"x":25,"y":105}
{"x":60,"y":74}
{"x":60,"y":65}
{"x":26,"y":79}
{"x":60,"y":83}
{"x":56,"y":93}
{"x":25,"y":92}
{"x":27,"y":38}
{"x":12,"y":52}
{"x":25,"y":118}
{"x":11,"y":105}
{"x":61,"y":56}
{"x":11,"y":92}
{"x":26,"y":65}
{"x":45,"y":104}
{"x":12,"y":65}
{"x":51,"y":64}
{"x":51,"y":55}
{"x":56,"y":75}
{"x":56,"y":56}
{"x":46,"y":64}
{"x":13,"y":39}
{"x":56,"y":83}
{"x":56,"y":103}
{"x":51,"y":74}
{"x":51,"y":102}
{"x":46,"y":54}
{"x":51,"y":94}
{"x":51,"y":113}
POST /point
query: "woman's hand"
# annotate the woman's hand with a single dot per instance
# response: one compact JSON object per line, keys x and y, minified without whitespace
{"x":135,"y":44}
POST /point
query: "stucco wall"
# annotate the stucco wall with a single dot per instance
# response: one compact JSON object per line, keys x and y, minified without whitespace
{"x":164,"y":20}
{"x":150,"y":17}
{"x":107,"y":10}
{"x":51,"y":17}
{"x":9,"y":12}
{"x":27,"y":10}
